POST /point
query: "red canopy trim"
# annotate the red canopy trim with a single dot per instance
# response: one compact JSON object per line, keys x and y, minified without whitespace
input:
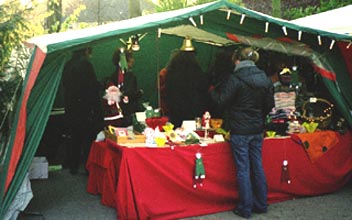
{"x":233,"y":37}
{"x":325,"y":73}
{"x":347,"y":55}
{"x":286,"y":40}
{"x":257,"y":36}
{"x":22,"y":118}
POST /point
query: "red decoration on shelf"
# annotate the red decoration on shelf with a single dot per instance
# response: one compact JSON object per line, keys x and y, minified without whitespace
{"x":154,"y":122}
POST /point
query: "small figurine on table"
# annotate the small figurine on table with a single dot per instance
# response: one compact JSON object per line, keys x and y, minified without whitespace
{"x":206,"y":123}
{"x":206,"y":120}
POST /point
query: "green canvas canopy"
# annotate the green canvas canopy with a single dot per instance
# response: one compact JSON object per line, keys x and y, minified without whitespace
{"x":212,"y":27}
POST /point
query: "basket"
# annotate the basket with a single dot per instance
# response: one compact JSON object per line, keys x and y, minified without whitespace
{"x":318,"y":110}
{"x":216,"y":123}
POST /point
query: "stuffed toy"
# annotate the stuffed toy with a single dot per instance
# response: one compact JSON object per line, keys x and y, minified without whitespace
{"x":192,"y":138}
{"x":113,"y":96}
{"x":199,"y":172}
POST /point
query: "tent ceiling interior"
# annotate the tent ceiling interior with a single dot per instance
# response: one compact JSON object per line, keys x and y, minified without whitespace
{"x":197,"y":35}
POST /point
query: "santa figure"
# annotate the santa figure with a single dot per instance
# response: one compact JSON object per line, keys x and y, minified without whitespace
{"x":206,"y":120}
{"x":113,"y":110}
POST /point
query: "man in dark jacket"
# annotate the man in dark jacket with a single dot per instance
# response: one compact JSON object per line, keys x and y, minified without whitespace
{"x":82,"y":106}
{"x":248,"y":95}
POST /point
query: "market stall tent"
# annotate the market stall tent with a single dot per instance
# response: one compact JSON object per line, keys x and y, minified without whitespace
{"x":212,"y":26}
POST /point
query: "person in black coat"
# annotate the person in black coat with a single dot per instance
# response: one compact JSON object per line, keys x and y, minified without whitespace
{"x":219,"y":73}
{"x":82,"y":106}
{"x":186,"y":87}
{"x":248,"y":96}
{"x":126,"y":81}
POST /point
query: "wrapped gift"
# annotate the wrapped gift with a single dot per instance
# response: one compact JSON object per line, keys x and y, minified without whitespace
{"x":154,"y":122}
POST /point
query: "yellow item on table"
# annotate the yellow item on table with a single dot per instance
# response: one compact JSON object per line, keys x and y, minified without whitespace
{"x":270,"y":133}
{"x":160,"y":141}
{"x":111,"y":129}
{"x":310,"y":127}
{"x":168,"y":127}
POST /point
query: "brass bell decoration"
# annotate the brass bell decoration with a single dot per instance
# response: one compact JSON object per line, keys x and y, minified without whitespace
{"x":187,"y":45}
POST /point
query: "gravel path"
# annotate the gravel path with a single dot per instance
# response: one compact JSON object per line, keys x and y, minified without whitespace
{"x":64,"y":197}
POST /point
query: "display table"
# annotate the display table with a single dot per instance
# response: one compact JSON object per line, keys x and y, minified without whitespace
{"x":157,"y":183}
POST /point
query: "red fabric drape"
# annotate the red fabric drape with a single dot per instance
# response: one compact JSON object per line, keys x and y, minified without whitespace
{"x":157,"y":183}
{"x":103,"y":174}
{"x":22,"y":118}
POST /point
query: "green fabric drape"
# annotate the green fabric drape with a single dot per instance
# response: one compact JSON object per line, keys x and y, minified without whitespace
{"x":6,"y":200}
{"x":38,"y":111}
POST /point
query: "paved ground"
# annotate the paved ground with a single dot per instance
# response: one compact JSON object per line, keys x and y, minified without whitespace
{"x":64,"y":197}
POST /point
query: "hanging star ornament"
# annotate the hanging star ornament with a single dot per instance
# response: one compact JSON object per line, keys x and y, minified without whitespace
{"x":132,"y":42}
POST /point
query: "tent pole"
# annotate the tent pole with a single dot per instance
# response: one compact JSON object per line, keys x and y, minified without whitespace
{"x":158,"y":69}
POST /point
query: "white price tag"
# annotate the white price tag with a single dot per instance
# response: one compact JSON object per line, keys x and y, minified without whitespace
{"x":218,"y":138}
{"x":313,"y":100}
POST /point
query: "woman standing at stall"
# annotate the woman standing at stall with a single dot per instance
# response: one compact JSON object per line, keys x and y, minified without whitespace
{"x":186,"y":86}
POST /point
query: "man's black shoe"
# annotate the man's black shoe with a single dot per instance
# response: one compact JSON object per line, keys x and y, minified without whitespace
{"x":259,"y":211}
{"x":237,"y":212}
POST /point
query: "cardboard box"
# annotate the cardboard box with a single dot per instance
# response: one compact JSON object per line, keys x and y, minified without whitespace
{"x":137,"y":138}
{"x":38,"y":168}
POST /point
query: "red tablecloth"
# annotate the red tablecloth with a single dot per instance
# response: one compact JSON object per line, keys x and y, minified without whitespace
{"x":157,"y":183}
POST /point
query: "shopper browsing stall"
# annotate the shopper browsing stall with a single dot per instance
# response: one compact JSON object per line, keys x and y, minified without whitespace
{"x":219,"y":72}
{"x":185,"y":86}
{"x":249,"y":96}
{"x":162,"y":85}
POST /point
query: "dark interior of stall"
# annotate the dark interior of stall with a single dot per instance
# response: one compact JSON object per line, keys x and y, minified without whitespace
{"x":299,"y":78}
